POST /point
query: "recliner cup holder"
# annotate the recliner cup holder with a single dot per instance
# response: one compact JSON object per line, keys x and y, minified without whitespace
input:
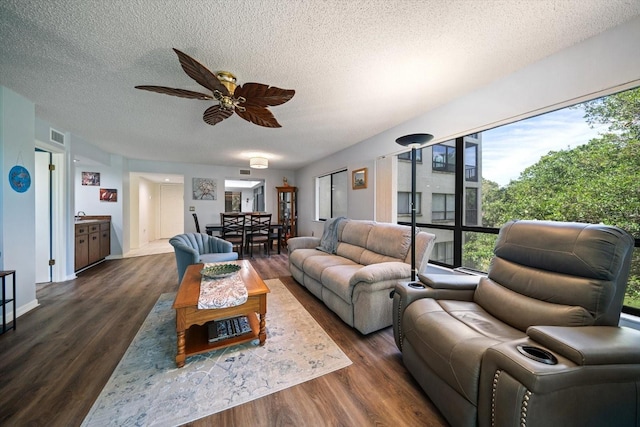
{"x":538,"y":354}
{"x":416,"y":285}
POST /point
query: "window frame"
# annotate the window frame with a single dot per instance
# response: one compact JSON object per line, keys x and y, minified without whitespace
{"x":331,"y":201}
{"x":418,"y":203}
{"x":446,"y":166}
{"x":458,"y":228}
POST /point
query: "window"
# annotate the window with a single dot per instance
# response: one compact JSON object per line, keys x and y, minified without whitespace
{"x":444,"y":158}
{"x":575,"y":164}
{"x":232,"y":201}
{"x":442,"y":252}
{"x":407,"y":155}
{"x":471,"y":161}
{"x":471,"y":206}
{"x":332,"y":195}
{"x":443,"y":207}
{"x":404,"y":203}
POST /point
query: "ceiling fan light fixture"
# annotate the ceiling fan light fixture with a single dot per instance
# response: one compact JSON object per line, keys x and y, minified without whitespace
{"x":228,"y":80}
{"x":258,"y":163}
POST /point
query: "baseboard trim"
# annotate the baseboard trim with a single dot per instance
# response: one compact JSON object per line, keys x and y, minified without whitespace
{"x":25,"y":308}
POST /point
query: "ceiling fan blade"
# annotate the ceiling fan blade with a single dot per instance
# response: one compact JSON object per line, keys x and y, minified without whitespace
{"x":182,"y":93}
{"x":258,"y":115}
{"x":216,"y":114}
{"x":200,"y":73}
{"x":260,"y":95}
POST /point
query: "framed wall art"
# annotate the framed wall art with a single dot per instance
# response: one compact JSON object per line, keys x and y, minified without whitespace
{"x":359,"y":179}
{"x":205,"y":189}
{"x":19,"y":179}
{"x":90,"y":178}
{"x":108,"y":195}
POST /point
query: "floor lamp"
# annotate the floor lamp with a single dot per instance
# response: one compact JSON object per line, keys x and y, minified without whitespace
{"x":413,"y":141}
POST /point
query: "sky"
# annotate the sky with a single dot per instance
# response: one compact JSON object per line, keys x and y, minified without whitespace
{"x":509,"y":150}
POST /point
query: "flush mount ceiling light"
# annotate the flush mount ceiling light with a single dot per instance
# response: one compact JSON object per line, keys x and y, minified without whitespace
{"x":258,"y":163}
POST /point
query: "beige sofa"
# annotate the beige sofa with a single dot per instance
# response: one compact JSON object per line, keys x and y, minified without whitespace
{"x":355,"y":282}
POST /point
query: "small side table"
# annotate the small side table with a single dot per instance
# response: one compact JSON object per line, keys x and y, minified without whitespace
{"x":6,"y":300}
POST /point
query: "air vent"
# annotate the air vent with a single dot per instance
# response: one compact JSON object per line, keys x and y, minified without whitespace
{"x":245,"y":172}
{"x":55,"y":136}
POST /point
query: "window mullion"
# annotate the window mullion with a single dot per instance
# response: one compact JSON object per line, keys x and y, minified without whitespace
{"x":459,"y":202}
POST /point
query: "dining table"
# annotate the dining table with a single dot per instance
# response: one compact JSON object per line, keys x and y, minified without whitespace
{"x":217,"y":227}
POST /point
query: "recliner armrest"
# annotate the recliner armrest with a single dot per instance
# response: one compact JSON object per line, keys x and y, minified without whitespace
{"x":590,"y":345}
{"x":450,"y":281}
{"x":372,"y":273}
{"x":303,"y":242}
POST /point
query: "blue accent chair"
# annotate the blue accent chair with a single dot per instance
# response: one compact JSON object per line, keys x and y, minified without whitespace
{"x":195,"y":248}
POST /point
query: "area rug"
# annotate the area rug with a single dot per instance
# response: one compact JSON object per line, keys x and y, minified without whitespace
{"x":147,"y":389}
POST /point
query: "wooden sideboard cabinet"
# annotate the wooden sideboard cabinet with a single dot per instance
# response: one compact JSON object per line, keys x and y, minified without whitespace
{"x":92,"y":242}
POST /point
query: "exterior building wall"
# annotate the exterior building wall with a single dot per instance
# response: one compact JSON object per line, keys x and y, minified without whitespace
{"x":430,"y":182}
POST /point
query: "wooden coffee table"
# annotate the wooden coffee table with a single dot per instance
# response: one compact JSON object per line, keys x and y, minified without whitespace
{"x":190,"y":321}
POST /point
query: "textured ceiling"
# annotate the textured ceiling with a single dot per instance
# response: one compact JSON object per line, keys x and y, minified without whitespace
{"x":358,"y":67}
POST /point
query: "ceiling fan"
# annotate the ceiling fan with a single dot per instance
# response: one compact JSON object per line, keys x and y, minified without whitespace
{"x":249,"y":101}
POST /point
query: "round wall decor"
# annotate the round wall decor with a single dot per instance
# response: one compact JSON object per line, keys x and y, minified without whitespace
{"x":19,"y":179}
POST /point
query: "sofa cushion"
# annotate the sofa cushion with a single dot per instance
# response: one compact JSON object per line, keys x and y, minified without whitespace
{"x":352,"y":252}
{"x":539,"y":284}
{"x":338,"y":279}
{"x":391,"y":240}
{"x":369,"y":257}
{"x":355,"y":232}
{"x":314,"y":266}
{"x":369,"y":242}
{"x":451,"y":337}
{"x":522,"y":311}
{"x":299,"y":256}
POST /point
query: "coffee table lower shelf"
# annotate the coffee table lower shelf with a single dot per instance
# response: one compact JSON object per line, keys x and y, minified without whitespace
{"x":197,"y":337}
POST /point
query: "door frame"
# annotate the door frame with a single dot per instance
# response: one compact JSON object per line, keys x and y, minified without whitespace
{"x":58,"y":214}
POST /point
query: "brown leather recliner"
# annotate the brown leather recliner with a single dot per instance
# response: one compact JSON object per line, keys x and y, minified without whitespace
{"x":536,"y":342}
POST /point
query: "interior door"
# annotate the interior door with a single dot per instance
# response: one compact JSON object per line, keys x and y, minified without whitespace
{"x":171,"y":210}
{"x":42,"y":188}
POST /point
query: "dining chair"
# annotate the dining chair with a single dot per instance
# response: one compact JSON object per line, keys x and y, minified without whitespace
{"x":233,"y":229}
{"x":274,"y":236}
{"x":258,"y":232}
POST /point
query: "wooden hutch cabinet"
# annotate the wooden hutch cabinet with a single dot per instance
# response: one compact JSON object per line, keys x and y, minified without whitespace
{"x":287,"y":211}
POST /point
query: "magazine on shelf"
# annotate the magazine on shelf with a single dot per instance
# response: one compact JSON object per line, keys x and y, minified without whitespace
{"x":228,"y":328}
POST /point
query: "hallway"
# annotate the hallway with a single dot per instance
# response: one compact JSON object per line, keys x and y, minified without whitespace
{"x":160,"y":246}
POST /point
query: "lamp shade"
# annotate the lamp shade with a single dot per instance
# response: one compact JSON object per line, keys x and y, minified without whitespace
{"x":258,"y":163}
{"x":414,"y":140}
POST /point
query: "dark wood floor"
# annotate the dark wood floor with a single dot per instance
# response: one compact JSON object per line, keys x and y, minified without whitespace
{"x":55,"y":364}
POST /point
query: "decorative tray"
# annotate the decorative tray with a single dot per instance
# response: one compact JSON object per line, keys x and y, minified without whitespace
{"x":219,"y":271}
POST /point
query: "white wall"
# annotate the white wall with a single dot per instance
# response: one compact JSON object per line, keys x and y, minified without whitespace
{"x":17,"y":230}
{"x":597,"y":64}
{"x":133,"y":197}
{"x":87,"y":197}
{"x":147,"y":212}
